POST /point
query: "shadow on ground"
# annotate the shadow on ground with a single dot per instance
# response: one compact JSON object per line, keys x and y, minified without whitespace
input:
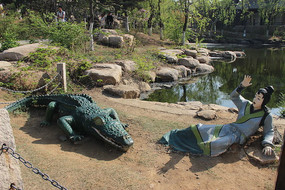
{"x":91,"y":147}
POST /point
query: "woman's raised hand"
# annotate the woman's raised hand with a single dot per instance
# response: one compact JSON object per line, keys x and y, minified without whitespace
{"x":246,"y":81}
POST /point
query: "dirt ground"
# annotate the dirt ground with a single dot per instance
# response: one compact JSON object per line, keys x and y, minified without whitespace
{"x":147,"y":165}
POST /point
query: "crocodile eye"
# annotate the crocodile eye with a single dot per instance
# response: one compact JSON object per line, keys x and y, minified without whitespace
{"x":98,"y":121}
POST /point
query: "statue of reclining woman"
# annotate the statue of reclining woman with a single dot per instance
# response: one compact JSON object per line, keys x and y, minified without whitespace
{"x":213,"y":140}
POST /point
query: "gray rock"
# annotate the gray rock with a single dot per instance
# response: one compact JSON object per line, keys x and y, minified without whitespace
{"x":183,"y":71}
{"x":256,"y":154}
{"x":105,"y":74}
{"x":204,"y":68}
{"x":17,"y":53}
{"x":5,"y":64}
{"x":112,"y":38}
{"x":207,"y":114}
{"x":9,"y":166}
{"x":170,"y":55}
{"x":203,"y":59}
{"x":216,"y":54}
{"x":123,"y":91}
{"x":144,"y":86}
{"x":116,"y":41}
{"x":189,"y":62}
{"x":127,"y":65}
{"x":192,"y":53}
{"x":203,"y":51}
{"x":166,"y":74}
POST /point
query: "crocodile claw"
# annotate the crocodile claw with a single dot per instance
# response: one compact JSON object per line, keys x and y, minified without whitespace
{"x":44,"y":123}
{"x":76,"y":139}
{"x":125,"y":125}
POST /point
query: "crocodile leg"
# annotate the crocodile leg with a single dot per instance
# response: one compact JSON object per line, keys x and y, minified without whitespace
{"x":112,"y":113}
{"x":65,"y":124}
{"x":49,"y":113}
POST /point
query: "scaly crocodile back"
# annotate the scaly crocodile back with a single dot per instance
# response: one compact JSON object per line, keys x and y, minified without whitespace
{"x":73,"y":100}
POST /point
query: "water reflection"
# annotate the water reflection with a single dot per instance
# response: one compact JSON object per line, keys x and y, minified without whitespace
{"x":265,"y":65}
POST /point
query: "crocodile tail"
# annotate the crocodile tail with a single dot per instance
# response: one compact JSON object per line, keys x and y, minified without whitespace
{"x":20,"y":104}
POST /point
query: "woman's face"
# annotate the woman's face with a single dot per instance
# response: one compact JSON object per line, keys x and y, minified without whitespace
{"x":257,"y":100}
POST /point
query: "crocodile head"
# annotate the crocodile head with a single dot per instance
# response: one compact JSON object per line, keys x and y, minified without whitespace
{"x":112,"y":132}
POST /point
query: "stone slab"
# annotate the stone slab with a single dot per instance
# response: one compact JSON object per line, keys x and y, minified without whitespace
{"x":9,"y":166}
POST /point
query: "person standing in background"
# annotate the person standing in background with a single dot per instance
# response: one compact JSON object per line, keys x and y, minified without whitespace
{"x":60,"y":14}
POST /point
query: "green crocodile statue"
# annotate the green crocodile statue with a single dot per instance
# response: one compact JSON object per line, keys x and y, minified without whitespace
{"x":81,"y":116}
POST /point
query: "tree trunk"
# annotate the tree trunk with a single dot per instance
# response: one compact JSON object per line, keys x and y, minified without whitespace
{"x":91,"y":36}
{"x":127,"y":22}
{"x":183,"y":38}
{"x":149,"y":21}
{"x":150,"y":31}
{"x":184,"y":28}
{"x":161,"y":33}
{"x":160,"y":21}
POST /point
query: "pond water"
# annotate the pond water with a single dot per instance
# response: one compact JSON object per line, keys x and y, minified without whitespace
{"x":266,"y":66}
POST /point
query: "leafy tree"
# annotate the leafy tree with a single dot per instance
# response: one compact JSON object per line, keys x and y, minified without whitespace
{"x":227,"y":13}
{"x":172,"y":21}
{"x":268,"y":10}
{"x":244,"y":13}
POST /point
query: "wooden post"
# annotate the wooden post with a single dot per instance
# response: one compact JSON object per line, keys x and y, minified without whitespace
{"x":62,"y":71}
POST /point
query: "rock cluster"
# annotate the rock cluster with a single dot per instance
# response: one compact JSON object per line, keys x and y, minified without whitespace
{"x":180,"y":63}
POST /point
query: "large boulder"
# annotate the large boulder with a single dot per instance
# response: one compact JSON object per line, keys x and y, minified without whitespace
{"x":203,"y":51}
{"x":115,"y":41}
{"x":189,"y":62}
{"x":203,"y":59}
{"x":123,"y":91}
{"x":17,"y":53}
{"x":166,"y":74}
{"x":170,"y":55}
{"x":105,"y":74}
{"x":204,"y":68}
{"x":190,"y":52}
{"x":127,"y":65}
{"x":216,"y":54}
{"x":112,"y":38}
{"x":183,"y":71}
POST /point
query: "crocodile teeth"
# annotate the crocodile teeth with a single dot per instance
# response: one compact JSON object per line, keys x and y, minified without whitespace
{"x":109,"y":140}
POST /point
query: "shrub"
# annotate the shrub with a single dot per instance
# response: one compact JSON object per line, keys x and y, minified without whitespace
{"x":8,"y":40}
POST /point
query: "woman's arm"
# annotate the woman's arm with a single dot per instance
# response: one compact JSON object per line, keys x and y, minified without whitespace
{"x":235,"y":95}
{"x":268,"y":135}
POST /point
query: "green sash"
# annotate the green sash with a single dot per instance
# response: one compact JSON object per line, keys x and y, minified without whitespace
{"x":205,"y":146}
{"x":248,"y":116}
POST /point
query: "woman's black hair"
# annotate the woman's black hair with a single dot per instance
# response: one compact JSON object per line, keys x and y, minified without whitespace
{"x":266,"y":92}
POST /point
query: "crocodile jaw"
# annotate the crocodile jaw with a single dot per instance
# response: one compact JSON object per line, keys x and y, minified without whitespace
{"x":112,"y":142}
